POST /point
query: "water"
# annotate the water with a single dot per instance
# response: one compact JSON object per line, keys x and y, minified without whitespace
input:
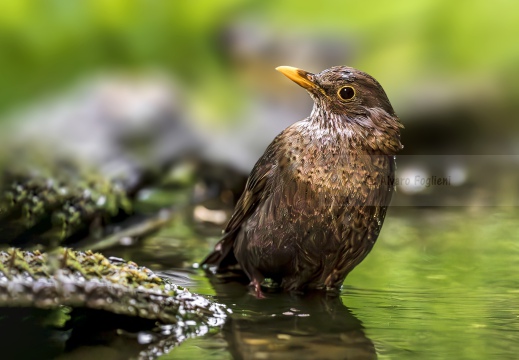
{"x":440,"y":283}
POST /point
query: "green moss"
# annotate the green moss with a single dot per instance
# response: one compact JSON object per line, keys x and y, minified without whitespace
{"x":86,"y":279}
{"x":58,"y":203}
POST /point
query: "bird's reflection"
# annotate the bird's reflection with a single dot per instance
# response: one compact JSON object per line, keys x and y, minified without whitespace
{"x":284,"y":326}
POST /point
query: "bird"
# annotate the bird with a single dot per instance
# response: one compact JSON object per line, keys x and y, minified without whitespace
{"x":314,"y":203}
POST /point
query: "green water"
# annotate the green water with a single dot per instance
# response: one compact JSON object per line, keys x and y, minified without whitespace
{"x":439,"y":284}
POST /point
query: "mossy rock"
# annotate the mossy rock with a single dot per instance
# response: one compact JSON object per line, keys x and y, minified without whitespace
{"x":90,"y":280}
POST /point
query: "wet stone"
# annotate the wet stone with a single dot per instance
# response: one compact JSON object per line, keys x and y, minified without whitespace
{"x":87,"y":280}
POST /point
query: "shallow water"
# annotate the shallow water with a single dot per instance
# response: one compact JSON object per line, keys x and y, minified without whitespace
{"x":440,"y":283}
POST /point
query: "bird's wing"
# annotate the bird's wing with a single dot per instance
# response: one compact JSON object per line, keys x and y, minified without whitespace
{"x":256,"y":191}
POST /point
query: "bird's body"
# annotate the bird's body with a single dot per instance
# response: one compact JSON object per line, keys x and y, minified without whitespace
{"x":315,"y":201}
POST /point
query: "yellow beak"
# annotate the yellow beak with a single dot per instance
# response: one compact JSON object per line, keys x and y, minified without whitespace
{"x":300,"y":77}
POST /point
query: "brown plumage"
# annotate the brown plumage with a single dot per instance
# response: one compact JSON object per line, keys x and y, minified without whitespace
{"x":315,"y":201}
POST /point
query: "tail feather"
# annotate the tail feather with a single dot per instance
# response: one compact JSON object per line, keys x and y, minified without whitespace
{"x":222,"y":256}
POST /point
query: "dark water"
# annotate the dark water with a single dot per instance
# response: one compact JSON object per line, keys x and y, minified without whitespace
{"x":440,"y":283}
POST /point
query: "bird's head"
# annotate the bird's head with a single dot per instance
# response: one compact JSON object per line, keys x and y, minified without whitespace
{"x":345,"y":96}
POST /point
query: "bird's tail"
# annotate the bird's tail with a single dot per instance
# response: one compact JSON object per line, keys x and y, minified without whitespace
{"x":222,"y":256}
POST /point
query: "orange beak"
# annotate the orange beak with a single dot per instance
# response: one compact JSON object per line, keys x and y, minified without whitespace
{"x":300,"y":77}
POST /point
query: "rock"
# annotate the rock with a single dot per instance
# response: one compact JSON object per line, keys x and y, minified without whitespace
{"x":112,"y":304}
{"x":90,"y":280}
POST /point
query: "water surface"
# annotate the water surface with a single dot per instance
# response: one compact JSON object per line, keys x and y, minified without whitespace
{"x":440,"y":283}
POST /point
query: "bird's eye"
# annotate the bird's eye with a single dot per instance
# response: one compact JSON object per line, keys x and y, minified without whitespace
{"x":346,"y":93}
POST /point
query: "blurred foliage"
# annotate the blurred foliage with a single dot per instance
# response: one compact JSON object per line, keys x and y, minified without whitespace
{"x":44,"y":45}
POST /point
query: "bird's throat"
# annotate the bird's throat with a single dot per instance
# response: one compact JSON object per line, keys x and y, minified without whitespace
{"x":372,"y":132}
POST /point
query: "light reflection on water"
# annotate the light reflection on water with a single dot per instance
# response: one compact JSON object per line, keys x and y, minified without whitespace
{"x":440,"y":283}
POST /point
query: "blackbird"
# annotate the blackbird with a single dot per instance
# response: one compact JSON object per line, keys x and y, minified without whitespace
{"x":314,"y":203}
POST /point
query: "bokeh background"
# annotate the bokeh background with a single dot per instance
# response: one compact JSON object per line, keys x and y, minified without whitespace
{"x":84,"y":75}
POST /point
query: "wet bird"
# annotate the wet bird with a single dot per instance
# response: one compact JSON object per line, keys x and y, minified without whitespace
{"x":314,"y":203}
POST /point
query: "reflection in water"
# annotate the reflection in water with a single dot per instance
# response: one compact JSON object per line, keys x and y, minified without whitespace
{"x":283,"y":326}
{"x":88,"y":334}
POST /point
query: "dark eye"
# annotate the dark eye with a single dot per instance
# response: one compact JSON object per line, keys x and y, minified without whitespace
{"x":346,"y":93}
